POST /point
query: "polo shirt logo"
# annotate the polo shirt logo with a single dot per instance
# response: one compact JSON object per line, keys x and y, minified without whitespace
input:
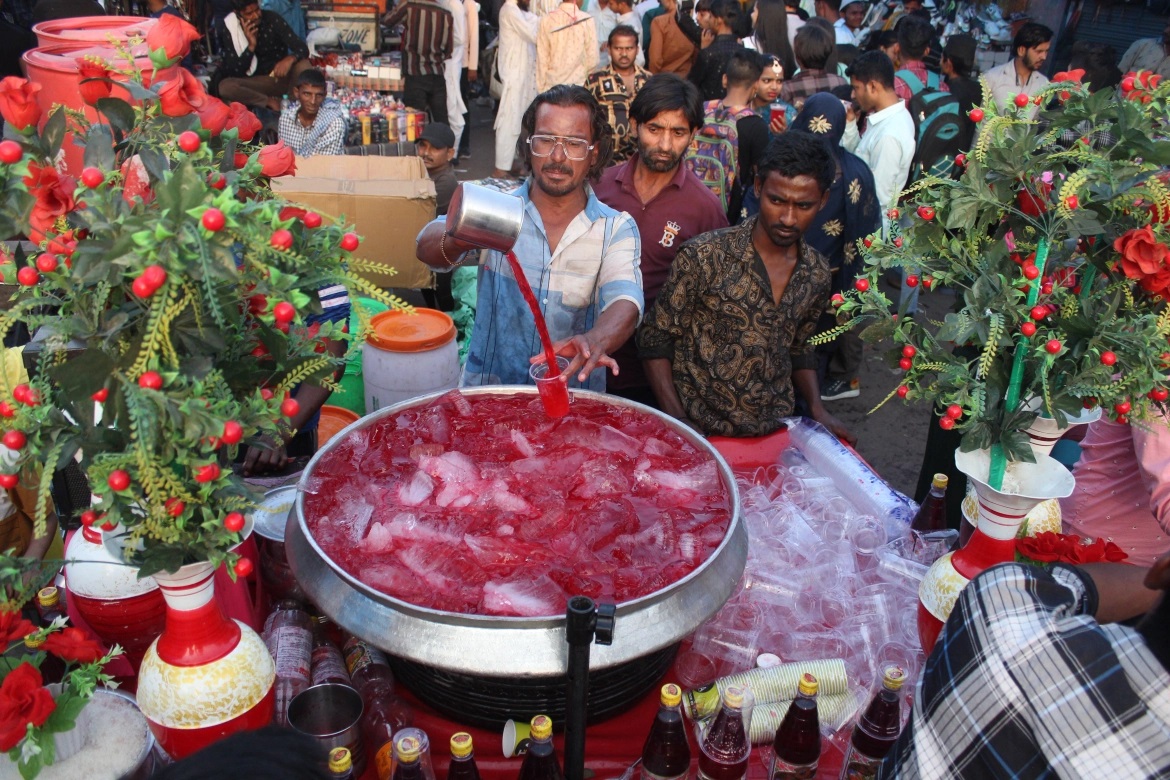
{"x":668,"y":234}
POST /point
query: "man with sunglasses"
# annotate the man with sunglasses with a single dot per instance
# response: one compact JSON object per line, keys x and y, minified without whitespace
{"x":580,"y":257}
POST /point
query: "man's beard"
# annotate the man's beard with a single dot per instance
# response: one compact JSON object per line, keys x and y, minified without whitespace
{"x":658,"y":165}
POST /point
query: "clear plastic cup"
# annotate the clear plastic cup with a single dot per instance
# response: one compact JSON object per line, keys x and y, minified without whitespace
{"x":554,"y":390}
{"x":729,"y":648}
{"x":866,"y":534}
{"x":694,"y":669}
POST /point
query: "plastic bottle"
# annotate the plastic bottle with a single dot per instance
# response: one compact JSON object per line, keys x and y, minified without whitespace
{"x":340,"y":764}
{"x":724,"y":749}
{"x":408,"y":759}
{"x":383,"y":713}
{"x":877,"y":729}
{"x":328,"y":665}
{"x":289,"y":639}
{"x":462,"y":766}
{"x":666,"y":754}
{"x":49,"y":606}
{"x":540,"y":762}
{"x":932,"y":515}
{"x":797,"y":746}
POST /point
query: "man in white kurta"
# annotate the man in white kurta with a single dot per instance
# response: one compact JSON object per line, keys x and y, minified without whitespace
{"x":453,"y":66}
{"x":566,"y":47}
{"x":517,"y":66}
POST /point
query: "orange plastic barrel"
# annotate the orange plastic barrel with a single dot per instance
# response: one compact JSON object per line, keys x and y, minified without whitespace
{"x":55,"y":69}
{"x":408,"y":355}
{"x":92,"y":29}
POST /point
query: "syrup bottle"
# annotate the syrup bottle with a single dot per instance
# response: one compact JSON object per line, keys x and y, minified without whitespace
{"x":462,"y":766}
{"x":797,"y":745}
{"x":877,"y":730}
{"x":540,"y":762}
{"x":666,"y":754}
{"x":724,"y":749}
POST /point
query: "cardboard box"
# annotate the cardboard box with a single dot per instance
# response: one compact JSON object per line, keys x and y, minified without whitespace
{"x":356,"y":26}
{"x":389,"y":199}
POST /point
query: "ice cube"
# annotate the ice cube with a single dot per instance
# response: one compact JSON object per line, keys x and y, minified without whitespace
{"x":523,"y":446}
{"x":658,"y":448}
{"x":456,"y":495}
{"x":378,"y":539}
{"x":420,"y":451}
{"x":526,"y":597}
{"x":460,"y":403}
{"x":601,"y":478}
{"x":450,"y":467}
{"x":353,"y":520}
{"x":613,"y":440}
{"x":418,"y":490}
{"x":497,"y":494}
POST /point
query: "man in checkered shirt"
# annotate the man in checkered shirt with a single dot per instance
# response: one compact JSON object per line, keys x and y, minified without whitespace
{"x":1024,"y":682}
{"x":312,"y":125}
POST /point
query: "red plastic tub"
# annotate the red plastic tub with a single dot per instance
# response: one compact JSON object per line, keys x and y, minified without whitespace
{"x":92,"y":29}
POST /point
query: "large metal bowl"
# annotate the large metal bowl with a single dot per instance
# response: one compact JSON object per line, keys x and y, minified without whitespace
{"x":516,"y":647}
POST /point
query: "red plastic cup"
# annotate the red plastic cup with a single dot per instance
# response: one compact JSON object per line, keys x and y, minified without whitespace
{"x":554,"y":390}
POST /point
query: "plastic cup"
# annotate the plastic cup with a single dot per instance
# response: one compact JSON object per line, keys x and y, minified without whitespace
{"x":554,"y":390}
{"x":694,"y":669}
{"x":866,"y":534}
{"x":729,"y":648}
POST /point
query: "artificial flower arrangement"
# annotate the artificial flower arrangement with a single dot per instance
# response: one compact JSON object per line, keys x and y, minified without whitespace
{"x":31,"y":712}
{"x":1049,"y":547}
{"x":1054,"y":240}
{"x":172,"y":289}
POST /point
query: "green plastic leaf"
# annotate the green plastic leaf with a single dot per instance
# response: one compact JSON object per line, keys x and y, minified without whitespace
{"x":118,"y":112}
{"x":54,"y":133}
{"x":99,"y":148}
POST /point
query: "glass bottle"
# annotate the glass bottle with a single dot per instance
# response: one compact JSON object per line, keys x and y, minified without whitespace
{"x":877,"y":729}
{"x":932,"y":515}
{"x":666,"y":754}
{"x":289,"y":639}
{"x":462,"y":766}
{"x":327,"y":663}
{"x":340,"y":764}
{"x":797,"y":746}
{"x":49,"y":606}
{"x":724,"y":749}
{"x":383,"y":713}
{"x":540,"y":762}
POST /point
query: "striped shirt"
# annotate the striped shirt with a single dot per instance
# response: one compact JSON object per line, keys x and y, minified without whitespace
{"x":596,"y":263}
{"x":325,"y":136}
{"x":1025,"y":684}
{"x":427,"y":37}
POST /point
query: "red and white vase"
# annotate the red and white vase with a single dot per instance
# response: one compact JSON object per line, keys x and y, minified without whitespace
{"x":117,"y":605}
{"x":206,"y":676}
{"x":1001,"y":512}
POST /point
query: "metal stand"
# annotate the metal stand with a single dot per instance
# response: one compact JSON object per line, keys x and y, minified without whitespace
{"x":585,"y":623}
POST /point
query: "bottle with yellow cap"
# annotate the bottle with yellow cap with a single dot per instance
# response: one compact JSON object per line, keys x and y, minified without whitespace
{"x":666,"y":755}
{"x":340,"y":764}
{"x":932,"y":514}
{"x":541,"y":762}
{"x":462,"y":766}
{"x":724,"y":749}
{"x":797,"y":746}
{"x":877,"y":729}
{"x":49,"y":605}
{"x":408,"y":758}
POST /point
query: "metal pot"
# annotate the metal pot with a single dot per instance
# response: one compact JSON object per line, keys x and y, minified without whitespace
{"x":519,"y":647}
{"x":485,"y":217}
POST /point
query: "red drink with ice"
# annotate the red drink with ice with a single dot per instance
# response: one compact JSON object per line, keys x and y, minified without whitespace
{"x":553,"y":389}
{"x":724,"y":749}
{"x":480,"y":504}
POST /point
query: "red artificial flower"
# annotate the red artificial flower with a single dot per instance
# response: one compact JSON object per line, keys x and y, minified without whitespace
{"x":174,"y":35}
{"x":291,"y":212}
{"x":13,"y":627}
{"x":53,"y":193}
{"x":1114,"y":554}
{"x":1045,"y":547}
{"x":244,"y":121}
{"x":23,"y":700}
{"x":1076,"y":74}
{"x":136,"y":181}
{"x":1079,"y":552}
{"x":73,"y":645}
{"x":180,"y":93}
{"x":18,"y":102}
{"x":214,"y":115}
{"x":277,"y":160}
{"x":93,"y":91}
{"x":1145,"y":259}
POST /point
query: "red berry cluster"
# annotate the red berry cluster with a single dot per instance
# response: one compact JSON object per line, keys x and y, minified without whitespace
{"x":148,"y":282}
{"x":1137,"y":86}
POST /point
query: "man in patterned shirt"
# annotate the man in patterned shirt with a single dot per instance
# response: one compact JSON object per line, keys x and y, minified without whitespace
{"x":428,"y":39}
{"x":579,"y":256}
{"x":728,"y":338}
{"x":312,"y":125}
{"x":1024,"y":683}
{"x":615,"y":87}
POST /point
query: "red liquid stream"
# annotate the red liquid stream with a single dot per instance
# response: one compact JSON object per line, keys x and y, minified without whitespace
{"x":541,"y":327}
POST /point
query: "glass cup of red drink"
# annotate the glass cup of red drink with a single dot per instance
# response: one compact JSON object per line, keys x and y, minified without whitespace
{"x":554,"y":390}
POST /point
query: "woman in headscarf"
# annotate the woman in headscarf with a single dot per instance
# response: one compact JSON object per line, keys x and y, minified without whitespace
{"x":849,"y":215}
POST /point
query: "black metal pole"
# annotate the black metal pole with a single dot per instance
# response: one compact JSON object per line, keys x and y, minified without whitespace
{"x":582,"y":620}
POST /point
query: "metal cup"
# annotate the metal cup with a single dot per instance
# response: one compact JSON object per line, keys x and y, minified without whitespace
{"x":485,"y":217}
{"x":331,"y":713}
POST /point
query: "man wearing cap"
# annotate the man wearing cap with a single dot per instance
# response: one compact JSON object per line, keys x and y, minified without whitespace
{"x":436,"y":148}
{"x":579,"y":256}
{"x":851,"y":21}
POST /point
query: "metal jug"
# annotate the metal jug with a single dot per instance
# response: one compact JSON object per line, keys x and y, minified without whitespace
{"x":485,"y":217}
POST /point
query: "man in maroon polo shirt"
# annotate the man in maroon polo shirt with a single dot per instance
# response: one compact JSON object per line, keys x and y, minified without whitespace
{"x":669,"y":203}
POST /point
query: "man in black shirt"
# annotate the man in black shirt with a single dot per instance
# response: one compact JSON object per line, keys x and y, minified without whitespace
{"x":262,"y":56}
{"x":707,"y":72}
{"x":14,"y":41}
{"x":958,"y":57}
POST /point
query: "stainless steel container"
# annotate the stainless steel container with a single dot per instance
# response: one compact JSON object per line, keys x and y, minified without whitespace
{"x":485,"y":217}
{"x":515,"y":647}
